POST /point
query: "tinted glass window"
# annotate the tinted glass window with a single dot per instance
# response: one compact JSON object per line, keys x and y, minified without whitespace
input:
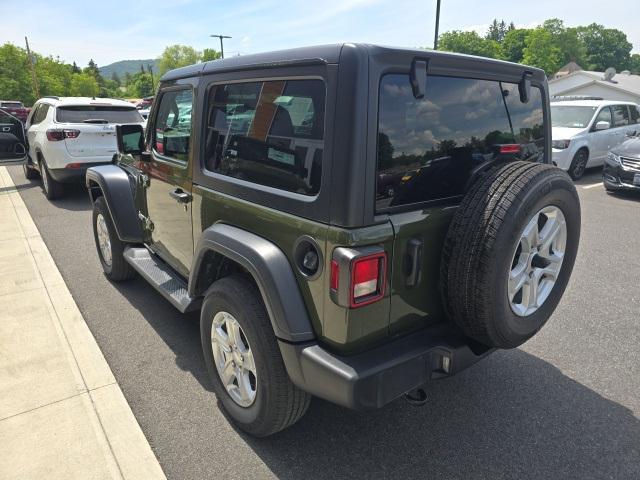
{"x":11,"y":105}
{"x":97,"y":114}
{"x":172,"y":129}
{"x":269,"y":133}
{"x":569,"y":116}
{"x":40,"y":113}
{"x":604,"y":116}
{"x":635,"y":114}
{"x":428,"y":147}
{"x":620,"y":115}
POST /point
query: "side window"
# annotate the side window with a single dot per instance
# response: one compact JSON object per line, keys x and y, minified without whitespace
{"x":270,"y":133}
{"x":635,"y":114}
{"x":604,"y":116}
{"x":620,"y":115}
{"x":427,"y":148}
{"x":172,"y":129}
{"x":40,"y":113}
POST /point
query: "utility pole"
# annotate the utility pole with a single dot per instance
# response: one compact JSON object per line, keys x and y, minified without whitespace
{"x":33,"y":70}
{"x":435,"y":40}
{"x":153,"y":87}
{"x":221,"y":45}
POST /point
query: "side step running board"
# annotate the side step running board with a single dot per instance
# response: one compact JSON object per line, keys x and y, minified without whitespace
{"x":162,"y":277}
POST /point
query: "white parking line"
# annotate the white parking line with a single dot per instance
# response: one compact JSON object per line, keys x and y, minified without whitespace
{"x":593,"y":185}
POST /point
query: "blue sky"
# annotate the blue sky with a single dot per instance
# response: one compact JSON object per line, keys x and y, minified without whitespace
{"x":116,"y":30}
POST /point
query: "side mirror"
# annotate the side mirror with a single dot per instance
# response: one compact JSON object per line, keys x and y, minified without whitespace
{"x":130,"y":139}
{"x":602,"y":125}
{"x":524,"y":87}
{"x":418,"y":77}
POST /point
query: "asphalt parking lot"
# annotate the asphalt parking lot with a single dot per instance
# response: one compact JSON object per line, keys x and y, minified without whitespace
{"x":565,"y":405}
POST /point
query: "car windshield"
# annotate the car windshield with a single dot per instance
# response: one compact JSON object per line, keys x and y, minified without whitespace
{"x":569,"y":116}
{"x":98,"y":114}
{"x":11,"y":105}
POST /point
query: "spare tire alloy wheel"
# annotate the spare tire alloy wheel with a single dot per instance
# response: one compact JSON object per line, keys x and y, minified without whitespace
{"x":537,"y":261}
{"x":509,"y":252}
{"x":234,"y":359}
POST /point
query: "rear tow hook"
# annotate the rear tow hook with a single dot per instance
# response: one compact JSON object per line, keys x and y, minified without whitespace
{"x":416,"y":397}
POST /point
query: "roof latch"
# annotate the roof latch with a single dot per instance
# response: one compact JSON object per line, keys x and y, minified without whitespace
{"x":524,"y":87}
{"x":418,"y":77}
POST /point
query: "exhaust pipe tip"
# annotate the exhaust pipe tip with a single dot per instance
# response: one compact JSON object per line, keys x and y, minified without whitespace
{"x":416,"y":397}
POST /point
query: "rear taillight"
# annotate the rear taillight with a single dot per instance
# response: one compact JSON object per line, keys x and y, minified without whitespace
{"x":57,"y":134}
{"x":357,"y":276}
{"x":367,"y":279}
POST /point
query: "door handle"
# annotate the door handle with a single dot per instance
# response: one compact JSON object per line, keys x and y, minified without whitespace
{"x":180,"y":196}
{"x":413,"y":259}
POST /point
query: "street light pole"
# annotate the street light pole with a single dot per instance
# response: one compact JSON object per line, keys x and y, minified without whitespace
{"x":221,"y":45}
{"x":435,"y":40}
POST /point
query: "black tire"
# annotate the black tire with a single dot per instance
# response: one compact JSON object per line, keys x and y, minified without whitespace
{"x":30,"y":173}
{"x":52,"y":189}
{"x":118,"y":269}
{"x":578,"y":164}
{"x":278,"y":402}
{"x":481,"y":243}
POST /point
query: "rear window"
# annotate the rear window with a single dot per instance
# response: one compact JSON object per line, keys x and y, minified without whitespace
{"x":11,"y":105}
{"x":97,"y":114}
{"x":428,"y":147}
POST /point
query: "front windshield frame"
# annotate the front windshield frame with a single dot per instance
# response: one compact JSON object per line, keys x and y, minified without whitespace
{"x":555,"y":123}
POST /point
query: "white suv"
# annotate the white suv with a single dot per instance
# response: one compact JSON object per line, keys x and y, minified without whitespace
{"x":67,"y":135}
{"x":583,"y":131}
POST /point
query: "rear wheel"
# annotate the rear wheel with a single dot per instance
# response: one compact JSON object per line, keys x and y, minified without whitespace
{"x":244,"y":361}
{"x":52,"y":188}
{"x":509,"y":252}
{"x":578,"y":164}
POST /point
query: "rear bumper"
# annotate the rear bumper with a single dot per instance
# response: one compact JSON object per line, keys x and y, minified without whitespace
{"x":374,"y":378}
{"x":73,"y":175}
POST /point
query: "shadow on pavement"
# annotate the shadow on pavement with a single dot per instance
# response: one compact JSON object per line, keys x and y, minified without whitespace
{"x":75,"y":197}
{"x":511,"y":416}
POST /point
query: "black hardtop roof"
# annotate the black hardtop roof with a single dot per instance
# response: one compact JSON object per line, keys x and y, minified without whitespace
{"x":327,"y":54}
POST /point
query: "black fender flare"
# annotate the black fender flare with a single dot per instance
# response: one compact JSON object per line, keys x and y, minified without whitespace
{"x":271,"y":270}
{"x":115,"y":185}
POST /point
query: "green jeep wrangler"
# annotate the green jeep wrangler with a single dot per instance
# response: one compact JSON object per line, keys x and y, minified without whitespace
{"x":352,"y":221}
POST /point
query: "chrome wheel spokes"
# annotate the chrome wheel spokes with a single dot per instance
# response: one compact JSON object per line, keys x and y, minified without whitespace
{"x":104,"y":241}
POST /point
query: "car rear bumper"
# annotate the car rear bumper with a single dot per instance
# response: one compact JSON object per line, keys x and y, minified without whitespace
{"x":374,"y":378}
{"x":75,"y":174}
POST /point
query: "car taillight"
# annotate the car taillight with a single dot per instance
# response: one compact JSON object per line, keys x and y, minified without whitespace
{"x":367,"y":279}
{"x":57,"y":134}
{"x":358,"y":276}
{"x":510,"y":148}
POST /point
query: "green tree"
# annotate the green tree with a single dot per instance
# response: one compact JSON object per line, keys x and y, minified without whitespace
{"x":605,"y":47}
{"x":176,"y":56}
{"x":115,"y":78}
{"x":540,"y":51}
{"x":514,"y":43}
{"x":571,"y":46}
{"x":15,"y":78}
{"x":470,"y":43}
{"x":634,"y":63}
{"x":497,"y":30}
{"x":141,"y":85}
{"x":75,"y":68}
{"x":84,"y":85}
{"x":210,"y":54}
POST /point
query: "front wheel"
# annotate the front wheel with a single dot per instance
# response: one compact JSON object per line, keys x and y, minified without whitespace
{"x":110,"y":247}
{"x":244,"y":362}
{"x":29,"y":173}
{"x":578,"y":164}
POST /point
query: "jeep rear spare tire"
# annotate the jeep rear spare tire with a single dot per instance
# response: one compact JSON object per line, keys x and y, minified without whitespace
{"x":509,"y":252}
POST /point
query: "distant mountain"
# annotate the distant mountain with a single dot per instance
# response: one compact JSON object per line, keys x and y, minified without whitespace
{"x":124,"y":66}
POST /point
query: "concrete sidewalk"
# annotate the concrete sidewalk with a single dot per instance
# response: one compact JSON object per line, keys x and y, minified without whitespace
{"x":62,"y":414}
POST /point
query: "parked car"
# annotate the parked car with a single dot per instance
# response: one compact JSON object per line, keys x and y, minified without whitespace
{"x":622,"y":166}
{"x":67,"y":135}
{"x":259,"y":195}
{"x":145,"y":103}
{"x":584,"y":131}
{"x":15,"y":108}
